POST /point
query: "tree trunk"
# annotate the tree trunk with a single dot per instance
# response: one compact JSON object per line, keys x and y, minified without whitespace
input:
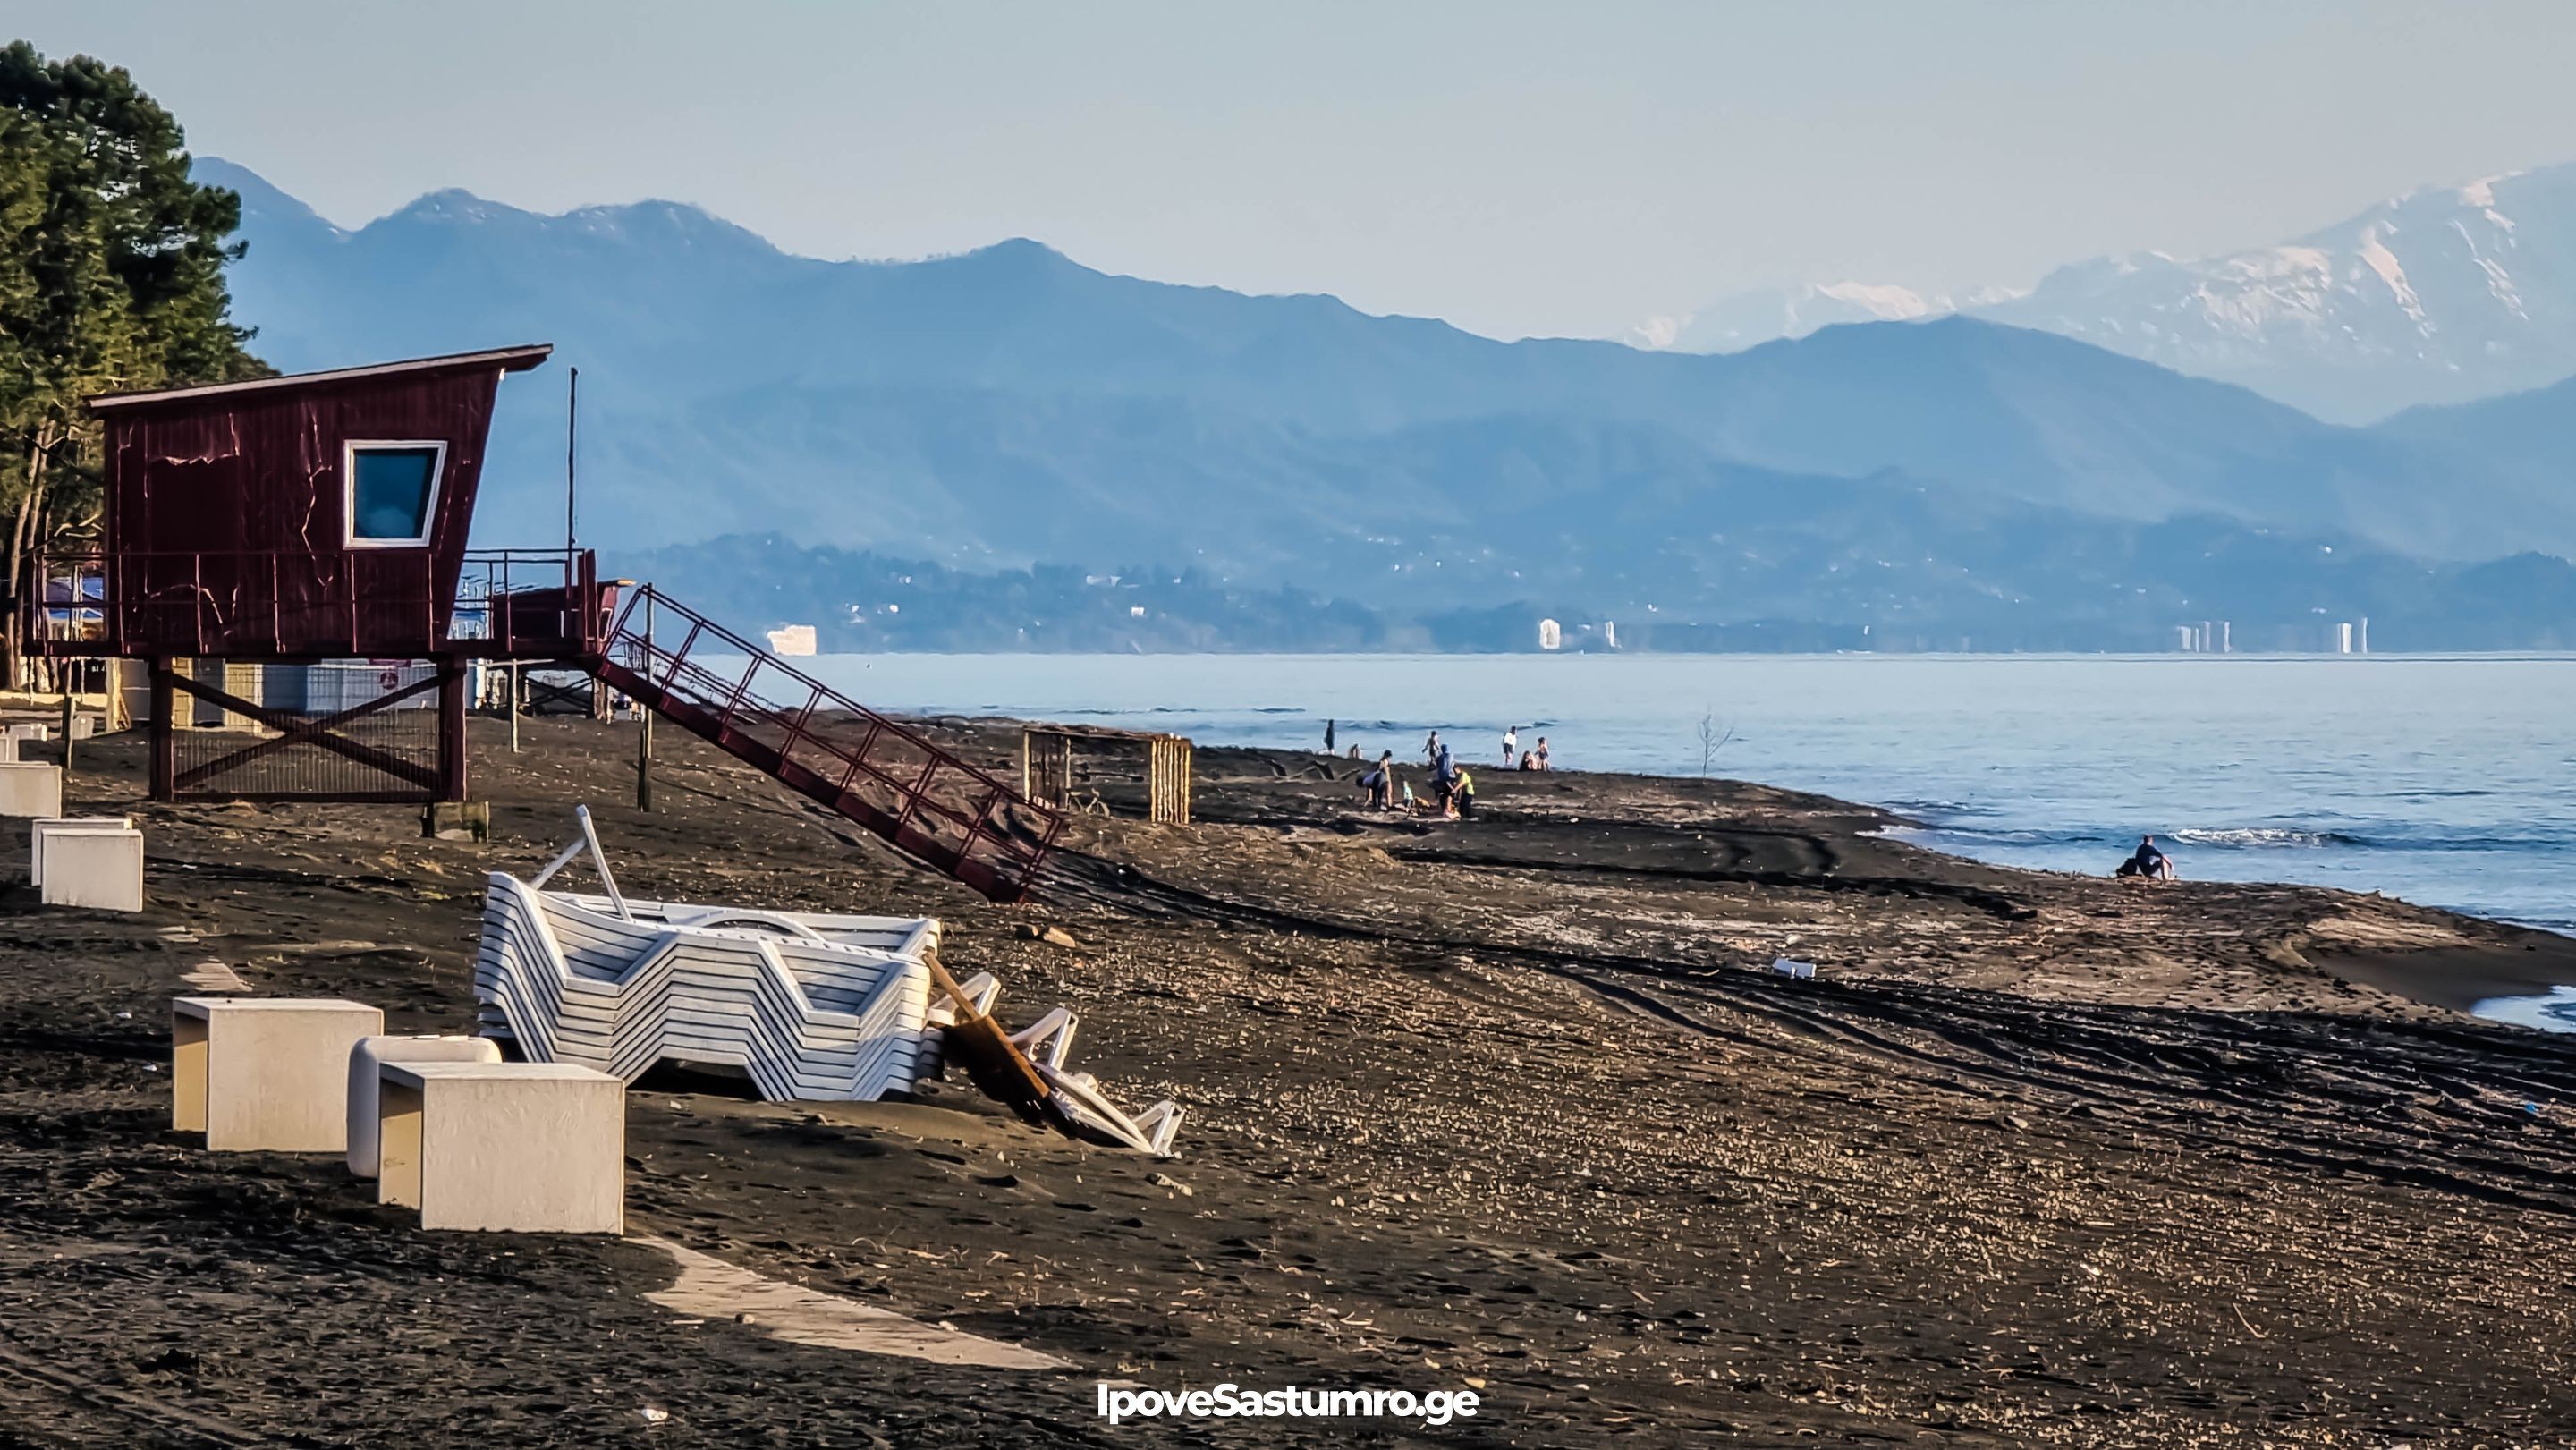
{"x":13,"y":661}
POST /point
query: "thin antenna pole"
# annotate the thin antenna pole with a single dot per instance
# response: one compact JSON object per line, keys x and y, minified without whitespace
{"x":572,"y":425}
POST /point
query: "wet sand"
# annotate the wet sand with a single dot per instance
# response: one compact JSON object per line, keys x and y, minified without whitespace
{"x":2037,"y":1159}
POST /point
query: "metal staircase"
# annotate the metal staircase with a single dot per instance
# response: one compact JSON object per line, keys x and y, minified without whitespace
{"x":926,"y":802}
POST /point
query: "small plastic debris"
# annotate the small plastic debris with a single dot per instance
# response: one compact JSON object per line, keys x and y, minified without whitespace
{"x":1794,"y":970}
{"x":654,"y":1414}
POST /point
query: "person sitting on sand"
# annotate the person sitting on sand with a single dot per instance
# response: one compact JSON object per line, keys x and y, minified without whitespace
{"x":1462,"y":796}
{"x":2149,"y":863}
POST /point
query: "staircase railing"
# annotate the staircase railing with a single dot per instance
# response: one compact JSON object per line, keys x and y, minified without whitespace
{"x":925,"y":801}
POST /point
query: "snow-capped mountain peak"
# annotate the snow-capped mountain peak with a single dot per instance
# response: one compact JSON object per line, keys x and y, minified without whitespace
{"x":2441,"y":295}
{"x":1750,"y":318}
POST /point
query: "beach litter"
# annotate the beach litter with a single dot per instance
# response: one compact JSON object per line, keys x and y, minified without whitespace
{"x":1794,"y":970}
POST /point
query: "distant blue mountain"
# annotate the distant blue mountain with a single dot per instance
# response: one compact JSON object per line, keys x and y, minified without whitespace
{"x":1009,"y":406}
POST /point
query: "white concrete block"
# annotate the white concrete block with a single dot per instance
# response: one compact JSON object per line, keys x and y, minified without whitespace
{"x":90,"y":862}
{"x":266,"y":1074}
{"x":506,"y":1147}
{"x":36,"y":837}
{"x":8,"y":750}
{"x":366,"y":1065}
{"x":29,"y":789}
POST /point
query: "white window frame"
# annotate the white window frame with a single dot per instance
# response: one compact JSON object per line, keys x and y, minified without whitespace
{"x":349,"y":451}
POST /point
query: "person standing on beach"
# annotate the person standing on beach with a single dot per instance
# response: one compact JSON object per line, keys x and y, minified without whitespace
{"x":1539,"y":752}
{"x":1431,"y":748}
{"x":1328,"y":737}
{"x":1511,"y":743}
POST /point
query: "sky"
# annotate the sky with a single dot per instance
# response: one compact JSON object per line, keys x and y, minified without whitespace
{"x":1515,"y":169}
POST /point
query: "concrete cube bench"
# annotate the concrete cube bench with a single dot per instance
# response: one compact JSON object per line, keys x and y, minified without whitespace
{"x":37,"y":829}
{"x":266,"y":1074}
{"x":92,"y":863}
{"x":366,"y":1071}
{"x":30,"y":789}
{"x":506,"y":1147}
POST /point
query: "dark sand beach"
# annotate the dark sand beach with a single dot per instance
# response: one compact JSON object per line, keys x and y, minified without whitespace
{"x":1510,"y":1104}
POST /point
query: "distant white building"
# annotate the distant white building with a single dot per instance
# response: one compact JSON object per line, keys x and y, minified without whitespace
{"x":1550,"y":634}
{"x":2343,"y":638}
{"x":792,"y":639}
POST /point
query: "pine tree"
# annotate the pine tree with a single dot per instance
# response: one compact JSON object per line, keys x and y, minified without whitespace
{"x":111,"y":279}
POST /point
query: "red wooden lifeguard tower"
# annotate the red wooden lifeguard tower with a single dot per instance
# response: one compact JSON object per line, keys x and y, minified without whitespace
{"x":319,"y":523}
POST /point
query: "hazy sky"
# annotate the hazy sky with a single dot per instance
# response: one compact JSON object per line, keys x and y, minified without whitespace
{"x":1567,"y":168}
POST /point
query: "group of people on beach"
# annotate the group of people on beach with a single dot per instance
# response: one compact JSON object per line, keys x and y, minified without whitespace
{"x":1453,"y":785}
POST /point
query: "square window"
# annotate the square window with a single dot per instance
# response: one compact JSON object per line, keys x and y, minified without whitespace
{"x":392,"y":492}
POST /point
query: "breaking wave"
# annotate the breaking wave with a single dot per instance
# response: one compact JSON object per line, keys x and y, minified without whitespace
{"x":2263,"y":837}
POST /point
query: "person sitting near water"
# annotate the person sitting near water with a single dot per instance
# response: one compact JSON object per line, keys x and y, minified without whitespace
{"x":1462,"y":796}
{"x":2148,"y":863}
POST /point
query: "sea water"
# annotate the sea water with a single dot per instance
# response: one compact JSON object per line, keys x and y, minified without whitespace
{"x":2444,"y":780}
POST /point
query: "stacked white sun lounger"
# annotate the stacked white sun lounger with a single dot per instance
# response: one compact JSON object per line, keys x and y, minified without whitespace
{"x":812,"y":1006}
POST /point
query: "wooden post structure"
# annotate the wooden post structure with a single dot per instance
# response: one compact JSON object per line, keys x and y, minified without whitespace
{"x":1167,"y":779}
{"x":69,"y":714}
{"x":644,"y":737}
{"x":452,"y":746}
{"x":165,"y":744}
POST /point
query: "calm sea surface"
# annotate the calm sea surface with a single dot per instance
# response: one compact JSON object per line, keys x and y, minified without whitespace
{"x":2449,"y":781}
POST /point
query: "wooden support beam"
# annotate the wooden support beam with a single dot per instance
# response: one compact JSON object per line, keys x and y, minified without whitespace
{"x":453,"y":751}
{"x":165,"y":745}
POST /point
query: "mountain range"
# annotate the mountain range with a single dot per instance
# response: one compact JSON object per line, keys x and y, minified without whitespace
{"x":1009,"y":409}
{"x":2444,"y":295}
